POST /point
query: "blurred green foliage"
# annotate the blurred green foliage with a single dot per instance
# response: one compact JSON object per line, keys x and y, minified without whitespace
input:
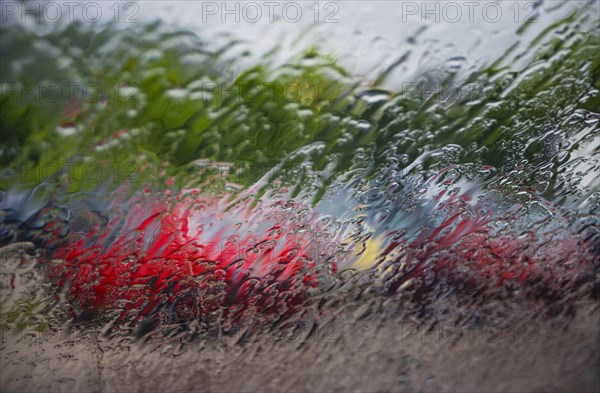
{"x":154,"y":102}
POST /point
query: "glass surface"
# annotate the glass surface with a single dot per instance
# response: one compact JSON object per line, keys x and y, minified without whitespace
{"x":299,"y":196}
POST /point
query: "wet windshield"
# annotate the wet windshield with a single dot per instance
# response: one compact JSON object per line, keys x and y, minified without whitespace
{"x":304,"y":196}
